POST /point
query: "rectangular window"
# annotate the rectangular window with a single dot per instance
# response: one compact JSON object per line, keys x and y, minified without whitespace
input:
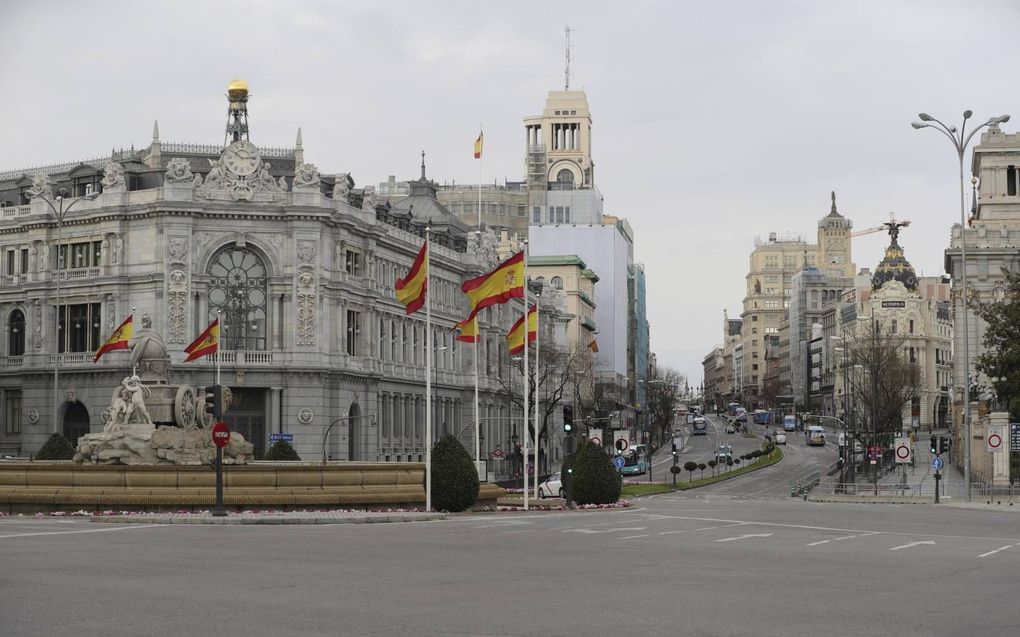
{"x":522,"y":210}
{"x":353,"y":330}
{"x":10,"y":262}
{"x":13,"y":415}
{"x":536,"y":214}
{"x":894,"y":326}
{"x":352,"y":263}
{"x":382,"y":339}
{"x":1011,"y":179}
{"x":911,"y":326}
{"x":78,"y":326}
{"x":24,"y":260}
{"x":566,"y":214}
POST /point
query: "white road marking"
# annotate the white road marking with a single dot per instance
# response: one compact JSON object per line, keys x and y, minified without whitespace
{"x":997,"y":550}
{"x":519,"y":531}
{"x":501,"y":524}
{"x":744,"y":537}
{"x":671,"y":532}
{"x":819,"y":542}
{"x":910,"y":544}
{"x":837,"y":539}
{"x":128,"y":527}
{"x":707,"y":528}
{"x":631,"y":537}
{"x":593,"y":532}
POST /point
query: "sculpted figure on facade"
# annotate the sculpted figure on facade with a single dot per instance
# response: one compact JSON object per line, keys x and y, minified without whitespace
{"x":104,"y":250}
{"x":342,"y":188}
{"x":306,"y":178}
{"x":306,"y":251}
{"x":178,"y":249}
{"x":41,"y":187}
{"x":149,"y":355}
{"x":117,"y":249}
{"x":178,"y":171}
{"x":113,"y":177}
{"x":215,"y":177}
{"x":368,"y":201}
{"x":134,"y":393}
{"x":44,"y":256}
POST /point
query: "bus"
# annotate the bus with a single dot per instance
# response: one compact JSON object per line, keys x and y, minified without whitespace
{"x":814,"y":436}
{"x":635,"y":461}
{"x":699,"y":427}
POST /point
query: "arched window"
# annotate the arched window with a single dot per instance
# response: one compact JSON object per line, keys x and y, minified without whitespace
{"x":565,"y":176}
{"x":16,"y":333}
{"x":238,"y":289}
{"x":556,"y":282}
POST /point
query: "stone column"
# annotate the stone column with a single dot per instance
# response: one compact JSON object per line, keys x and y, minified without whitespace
{"x":275,"y":399}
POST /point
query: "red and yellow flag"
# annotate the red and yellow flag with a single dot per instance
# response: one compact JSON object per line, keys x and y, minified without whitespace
{"x":515,"y":338}
{"x":412,"y":288}
{"x":118,"y":340}
{"x":478,"y":146}
{"x":467,"y":330}
{"x":208,"y":342}
{"x":499,"y":286}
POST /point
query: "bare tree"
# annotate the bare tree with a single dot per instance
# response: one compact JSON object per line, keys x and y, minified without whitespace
{"x":662,"y":396}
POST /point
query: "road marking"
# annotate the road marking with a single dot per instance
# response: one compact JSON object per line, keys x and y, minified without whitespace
{"x":519,"y":531}
{"x":671,"y":532}
{"x":910,"y":544}
{"x":820,"y":542}
{"x":997,"y":550}
{"x":501,"y":524}
{"x":837,"y":539}
{"x":594,"y":531}
{"x":119,"y":528}
{"x":631,"y":537}
{"x":707,"y":528}
{"x":744,"y":537}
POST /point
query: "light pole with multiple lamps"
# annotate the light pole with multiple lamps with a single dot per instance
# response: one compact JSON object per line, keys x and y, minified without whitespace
{"x":960,"y":143}
{"x":59,"y":210}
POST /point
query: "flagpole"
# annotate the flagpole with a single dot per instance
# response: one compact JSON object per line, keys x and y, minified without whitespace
{"x":134,"y":368}
{"x":219,"y":350}
{"x":527,"y":412}
{"x":428,"y":373}
{"x":482,"y":152}
{"x":538,"y":385}
{"x":478,"y":445}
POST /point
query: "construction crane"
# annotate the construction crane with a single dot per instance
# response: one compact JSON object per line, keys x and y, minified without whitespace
{"x":893,"y":222}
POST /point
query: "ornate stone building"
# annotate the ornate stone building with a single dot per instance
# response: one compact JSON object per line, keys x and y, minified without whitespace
{"x":299,"y":266}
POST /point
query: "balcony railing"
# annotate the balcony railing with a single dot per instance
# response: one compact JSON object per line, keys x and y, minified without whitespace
{"x":14,"y":361}
{"x":9,"y":212}
{"x":75,"y":274}
{"x":243,"y":357}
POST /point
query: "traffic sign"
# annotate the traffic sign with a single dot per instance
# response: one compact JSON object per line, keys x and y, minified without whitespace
{"x":994,"y":439}
{"x":618,"y":462}
{"x":221,"y":434}
{"x":903,"y":451}
{"x":283,"y":437}
{"x":596,"y":440}
{"x":595,"y":435}
{"x":937,"y":463}
{"x":621,"y":444}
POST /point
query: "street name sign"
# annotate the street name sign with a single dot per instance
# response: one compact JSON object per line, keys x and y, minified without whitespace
{"x":937,"y":464}
{"x":283,"y":437}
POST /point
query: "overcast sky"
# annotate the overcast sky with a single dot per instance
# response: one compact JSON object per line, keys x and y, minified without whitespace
{"x":713,"y":122}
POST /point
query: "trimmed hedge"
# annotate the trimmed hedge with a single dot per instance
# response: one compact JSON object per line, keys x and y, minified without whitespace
{"x":454,"y":476}
{"x":281,"y":450}
{"x":56,"y":448}
{"x":594,"y":479}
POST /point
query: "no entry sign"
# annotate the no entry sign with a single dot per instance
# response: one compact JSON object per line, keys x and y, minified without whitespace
{"x":903,"y":451}
{"x":994,"y":439}
{"x":221,"y":434}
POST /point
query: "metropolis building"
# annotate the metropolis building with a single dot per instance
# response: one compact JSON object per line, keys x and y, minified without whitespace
{"x":299,"y":266}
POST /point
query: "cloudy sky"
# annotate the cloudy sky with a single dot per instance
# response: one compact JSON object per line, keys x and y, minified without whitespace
{"x":714,"y":122}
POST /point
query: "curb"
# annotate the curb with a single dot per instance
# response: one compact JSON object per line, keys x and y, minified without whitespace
{"x":268,"y":518}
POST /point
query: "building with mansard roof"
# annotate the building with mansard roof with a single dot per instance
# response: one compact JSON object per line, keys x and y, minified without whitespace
{"x":300,"y":268}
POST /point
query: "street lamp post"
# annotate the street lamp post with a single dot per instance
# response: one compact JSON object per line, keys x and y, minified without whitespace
{"x":960,"y":143}
{"x":59,"y":210}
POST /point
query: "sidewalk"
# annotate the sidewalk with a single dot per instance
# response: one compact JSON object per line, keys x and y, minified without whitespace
{"x":920,"y":478}
{"x":272,"y":517}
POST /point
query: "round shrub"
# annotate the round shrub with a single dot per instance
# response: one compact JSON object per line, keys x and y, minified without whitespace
{"x":281,"y":450}
{"x":56,"y":448}
{"x":690,"y":466}
{"x":454,"y":476}
{"x":595,"y":480}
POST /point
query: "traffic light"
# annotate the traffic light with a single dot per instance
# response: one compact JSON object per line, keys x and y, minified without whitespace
{"x":568,"y":419}
{"x":208,"y":406}
{"x":945,"y":443}
{"x":935,"y":444}
{"x":674,"y":448}
{"x":214,"y":399}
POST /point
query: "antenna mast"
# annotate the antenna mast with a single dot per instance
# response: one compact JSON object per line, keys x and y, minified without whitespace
{"x":566,"y":71}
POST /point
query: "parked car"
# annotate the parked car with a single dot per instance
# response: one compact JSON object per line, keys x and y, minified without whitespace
{"x":780,"y":437}
{"x":551,"y":488}
{"x":731,"y":429}
{"x":724,"y":451}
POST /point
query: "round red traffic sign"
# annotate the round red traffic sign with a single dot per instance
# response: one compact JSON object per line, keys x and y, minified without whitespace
{"x":994,"y":441}
{"x":221,"y":434}
{"x":596,"y":440}
{"x":903,"y":452}
{"x":621,"y":444}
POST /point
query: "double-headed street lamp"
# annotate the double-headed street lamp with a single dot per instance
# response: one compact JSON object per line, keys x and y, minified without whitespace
{"x":960,"y":143}
{"x":59,"y":210}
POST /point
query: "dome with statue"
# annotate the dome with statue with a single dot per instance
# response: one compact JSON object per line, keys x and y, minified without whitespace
{"x":894,"y":265}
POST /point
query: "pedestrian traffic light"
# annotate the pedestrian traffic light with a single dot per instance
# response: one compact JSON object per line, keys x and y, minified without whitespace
{"x":945,"y":442}
{"x":934,"y":444}
{"x":568,"y":419}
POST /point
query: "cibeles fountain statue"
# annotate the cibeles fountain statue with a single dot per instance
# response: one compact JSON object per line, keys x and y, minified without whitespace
{"x":151,"y":421}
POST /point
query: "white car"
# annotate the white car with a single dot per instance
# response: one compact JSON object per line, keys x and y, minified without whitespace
{"x":780,"y":438}
{"x":551,"y":488}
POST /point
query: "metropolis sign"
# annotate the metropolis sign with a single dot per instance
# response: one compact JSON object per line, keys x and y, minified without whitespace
{"x":894,"y":304}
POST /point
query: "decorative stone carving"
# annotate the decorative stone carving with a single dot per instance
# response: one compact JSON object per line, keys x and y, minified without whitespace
{"x":178,"y":171}
{"x":368,"y":201}
{"x":104,"y":250}
{"x":111,"y":311}
{"x":44,"y":256}
{"x":41,"y":186}
{"x":306,"y":307}
{"x":37,"y":323}
{"x":149,"y":355}
{"x":342,"y":188}
{"x":177,"y":302}
{"x":306,"y":251}
{"x":306,"y":178}
{"x":113,"y":177}
{"x":240,"y":172}
{"x":141,"y":444}
{"x":116,"y":249}
{"x":178,"y":249}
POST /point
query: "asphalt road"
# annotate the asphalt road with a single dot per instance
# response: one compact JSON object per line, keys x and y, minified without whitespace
{"x":672,"y":565}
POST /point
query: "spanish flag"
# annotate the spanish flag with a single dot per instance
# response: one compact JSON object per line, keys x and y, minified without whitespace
{"x":467,"y":331}
{"x":515,"y":339}
{"x":118,"y":340}
{"x":208,"y":342}
{"x":499,"y":286}
{"x":478,"y":146}
{"x":412,"y":288}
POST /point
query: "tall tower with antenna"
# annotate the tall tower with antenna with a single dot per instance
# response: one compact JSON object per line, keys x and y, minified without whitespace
{"x":566,"y":70}
{"x":237,"y":112}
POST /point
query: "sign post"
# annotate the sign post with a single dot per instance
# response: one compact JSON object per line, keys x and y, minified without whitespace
{"x":220,"y":437}
{"x":937,"y":464}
